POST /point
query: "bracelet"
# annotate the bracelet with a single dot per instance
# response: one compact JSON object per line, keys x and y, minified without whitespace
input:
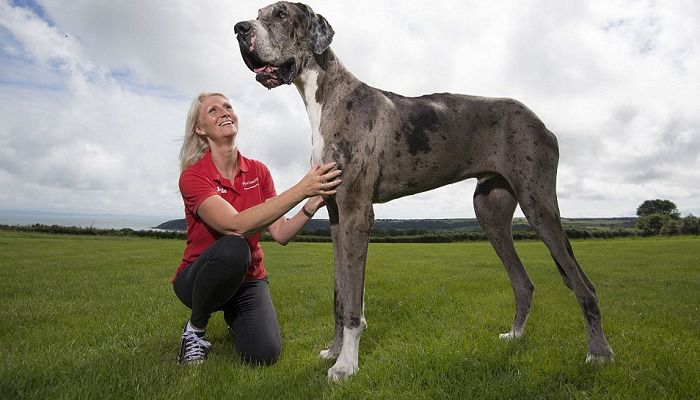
{"x":306,"y":212}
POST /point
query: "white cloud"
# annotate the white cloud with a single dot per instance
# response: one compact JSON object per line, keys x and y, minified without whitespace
{"x":93,"y":98}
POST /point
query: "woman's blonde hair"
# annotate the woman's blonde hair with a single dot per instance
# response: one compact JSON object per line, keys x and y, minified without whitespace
{"x":194,"y":146}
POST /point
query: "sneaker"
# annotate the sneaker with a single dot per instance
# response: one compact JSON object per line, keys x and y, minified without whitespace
{"x":193,"y":348}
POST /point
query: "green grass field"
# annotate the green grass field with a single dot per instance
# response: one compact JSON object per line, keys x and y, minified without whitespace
{"x":96,"y":318}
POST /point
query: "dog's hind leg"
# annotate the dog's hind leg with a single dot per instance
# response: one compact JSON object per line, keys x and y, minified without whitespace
{"x":494,"y":204}
{"x":542,"y":212}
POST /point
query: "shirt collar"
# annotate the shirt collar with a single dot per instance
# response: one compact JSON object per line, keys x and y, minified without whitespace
{"x":208,"y":164}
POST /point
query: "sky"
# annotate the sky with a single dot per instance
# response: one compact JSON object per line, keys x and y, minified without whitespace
{"x":94,"y":94}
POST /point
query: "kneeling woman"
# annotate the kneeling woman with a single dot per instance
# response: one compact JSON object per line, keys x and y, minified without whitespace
{"x":228,"y":200}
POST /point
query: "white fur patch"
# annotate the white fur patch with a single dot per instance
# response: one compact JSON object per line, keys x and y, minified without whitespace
{"x":347,"y":363}
{"x":438,"y":106}
{"x":313,"y":109}
{"x":327,"y":355}
{"x":512,"y":335}
{"x":591,"y":359}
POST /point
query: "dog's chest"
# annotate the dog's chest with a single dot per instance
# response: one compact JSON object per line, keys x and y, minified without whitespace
{"x":313,"y":109}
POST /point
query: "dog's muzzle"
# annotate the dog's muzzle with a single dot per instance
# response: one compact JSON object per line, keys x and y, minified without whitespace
{"x":269,"y":74}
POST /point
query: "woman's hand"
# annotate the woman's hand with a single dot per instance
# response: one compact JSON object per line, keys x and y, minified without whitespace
{"x":320,"y":180}
{"x":220,"y":215}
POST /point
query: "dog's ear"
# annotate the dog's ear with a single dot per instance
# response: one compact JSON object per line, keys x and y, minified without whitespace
{"x":320,"y":31}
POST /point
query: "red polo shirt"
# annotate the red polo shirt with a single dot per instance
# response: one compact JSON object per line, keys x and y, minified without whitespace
{"x":251,"y":186}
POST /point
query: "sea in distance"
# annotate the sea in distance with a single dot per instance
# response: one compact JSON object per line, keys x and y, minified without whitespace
{"x":81,"y":219}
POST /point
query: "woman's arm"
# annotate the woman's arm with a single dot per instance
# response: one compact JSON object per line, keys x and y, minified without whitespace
{"x":283,"y":230}
{"x":221,"y":216}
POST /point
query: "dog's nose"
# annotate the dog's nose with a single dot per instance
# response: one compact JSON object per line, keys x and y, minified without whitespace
{"x":242,"y":28}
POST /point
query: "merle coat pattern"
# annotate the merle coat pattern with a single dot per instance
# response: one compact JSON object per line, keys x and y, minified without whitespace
{"x":390,"y":146}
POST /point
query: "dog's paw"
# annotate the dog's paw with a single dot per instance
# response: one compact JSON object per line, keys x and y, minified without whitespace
{"x":341,"y":371}
{"x":510,"y":336}
{"x":328,"y":354}
{"x":594,"y":359}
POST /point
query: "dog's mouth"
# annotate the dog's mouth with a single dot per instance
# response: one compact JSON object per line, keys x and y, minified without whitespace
{"x":269,"y":74}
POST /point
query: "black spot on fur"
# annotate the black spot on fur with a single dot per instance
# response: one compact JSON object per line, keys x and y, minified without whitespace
{"x":338,"y":305}
{"x":590,"y":310}
{"x":354,"y":322}
{"x":369,"y":123}
{"x":343,"y":151}
{"x":375,"y":190}
{"x":421,"y":121}
{"x":565,"y":277}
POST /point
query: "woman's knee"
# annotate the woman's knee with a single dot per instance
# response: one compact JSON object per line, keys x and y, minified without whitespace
{"x":264,"y":353}
{"x":233,"y":250}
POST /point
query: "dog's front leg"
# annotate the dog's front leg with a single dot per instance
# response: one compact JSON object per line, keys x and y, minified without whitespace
{"x":334,"y":350}
{"x":351,"y":243}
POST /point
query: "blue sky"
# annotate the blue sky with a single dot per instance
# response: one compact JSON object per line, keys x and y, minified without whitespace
{"x":93,"y":95}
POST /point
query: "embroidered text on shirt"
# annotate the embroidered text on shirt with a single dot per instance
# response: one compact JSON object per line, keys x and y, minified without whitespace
{"x":247,"y":185}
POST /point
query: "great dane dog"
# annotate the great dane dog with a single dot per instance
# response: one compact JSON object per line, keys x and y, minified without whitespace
{"x":390,"y":146}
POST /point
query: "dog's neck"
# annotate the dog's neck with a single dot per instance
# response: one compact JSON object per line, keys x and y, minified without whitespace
{"x":323,"y":71}
{"x":318,"y":74}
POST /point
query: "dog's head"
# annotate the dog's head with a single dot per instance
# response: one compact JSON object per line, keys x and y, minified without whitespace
{"x":279,"y":42}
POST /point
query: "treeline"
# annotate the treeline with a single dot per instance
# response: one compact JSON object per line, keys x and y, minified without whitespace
{"x":661,"y":224}
{"x":323,"y":235}
{"x":91,"y":231}
{"x":654,"y":217}
{"x":661,"y":217}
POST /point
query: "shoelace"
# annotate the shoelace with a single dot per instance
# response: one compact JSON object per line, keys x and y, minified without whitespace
{"x":195,"y":347}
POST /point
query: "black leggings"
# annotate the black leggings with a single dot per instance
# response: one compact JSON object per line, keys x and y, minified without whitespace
{"x":214,"y":282}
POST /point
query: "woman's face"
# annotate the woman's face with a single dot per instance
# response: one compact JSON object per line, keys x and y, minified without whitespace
{"x":217,"y":119}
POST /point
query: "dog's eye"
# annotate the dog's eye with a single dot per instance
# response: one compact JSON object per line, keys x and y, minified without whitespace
{"x":281,"y":15}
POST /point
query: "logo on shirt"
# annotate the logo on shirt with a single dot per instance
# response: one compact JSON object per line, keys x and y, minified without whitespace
{"x":247,"y":185}
{"x":221,"y":190}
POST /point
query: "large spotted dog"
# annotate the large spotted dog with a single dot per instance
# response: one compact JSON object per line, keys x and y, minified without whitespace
{"x":390,"y":146}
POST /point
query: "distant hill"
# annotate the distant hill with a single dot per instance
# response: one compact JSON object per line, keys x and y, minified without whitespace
{"x":419,"y":226}
{"x":173,"y":225}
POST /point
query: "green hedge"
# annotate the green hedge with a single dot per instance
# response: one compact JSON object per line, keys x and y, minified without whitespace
{"x":324,"y":235}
